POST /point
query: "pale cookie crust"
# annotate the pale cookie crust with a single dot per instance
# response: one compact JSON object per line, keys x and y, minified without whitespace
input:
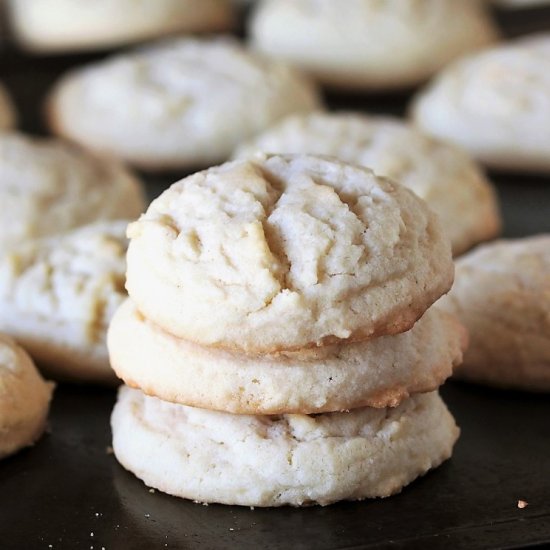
{"x":285,"y":252}
{"x":78,"y":25}
{"x":294,"y":460}
{"x":8,"y":116}
{"x":24,"y":399}
{"x":378,"y":373}
{"x":370,"y":44}
{"x":181,"y":104}
{"x":57,"y":297}
{"x":446,"y":178}
{"x":48,"y":187}
{"x":502,"y":295}
{"x":495,"y":104}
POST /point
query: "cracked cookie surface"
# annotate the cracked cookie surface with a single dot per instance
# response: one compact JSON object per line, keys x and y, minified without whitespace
{"x":57,"y":297}
{"x":285,"y":252}
{"x":442,"y":175}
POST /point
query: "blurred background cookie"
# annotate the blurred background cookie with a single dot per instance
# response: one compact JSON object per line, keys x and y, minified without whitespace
{"x":47,"y":187}
{"x":445,"y":177}
{"x":78,"y":25}
{"x":502,"y":295}
{"x":370,"y":44}
{"x":57,"y":296}
{"x":495,"y":104}
{"x":24,"y":398}
{"x":182,"y":104}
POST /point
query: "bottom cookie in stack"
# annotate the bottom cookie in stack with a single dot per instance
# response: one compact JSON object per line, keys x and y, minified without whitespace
{"x":289,"y":459}
{"x":263,"y":430}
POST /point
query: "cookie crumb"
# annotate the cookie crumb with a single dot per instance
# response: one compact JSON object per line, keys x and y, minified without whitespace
{"x":109,"y":450}
{"x":151,"y":491}
{"x":522,"y":504}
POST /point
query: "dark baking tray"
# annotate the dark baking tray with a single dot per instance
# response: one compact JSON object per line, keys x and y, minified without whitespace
{"x":68,"y":492}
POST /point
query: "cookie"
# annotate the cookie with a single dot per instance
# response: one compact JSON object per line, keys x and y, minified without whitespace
{"x":7,"y":110}
{"x":48,"y":187}
{"x":181,"y":104}
{"x":502,"y":295}
{"x":378,"y":373}
{"x":286,"y":252}
{"x":57,"y":296}
{"x":370,"y":45}
{"x":24,"y":399}
{"x":289,"y":459}
{"x":495,"y":104}
{"x":66,"y":25}
{"x":446,"y":178}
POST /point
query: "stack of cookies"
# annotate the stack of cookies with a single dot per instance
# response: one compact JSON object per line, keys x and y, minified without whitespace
{"x":279,"y":336}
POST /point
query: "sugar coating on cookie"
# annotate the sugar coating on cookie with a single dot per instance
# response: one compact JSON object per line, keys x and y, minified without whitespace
{"x":370,"y":44}
{"x":48,"y":187}
{"x":502,"y":295}
{"x":69,"y":25}
{"x":379,"y":373}
{"x":289,"y":459}
{"x":24,"y":398}
{"x":441,"y":174}
{"x":495,"y":104}
{"x":57,"y":297}
{"x":183,"y":103}
{"x":285,"y":252}
{"x":7,"y":110}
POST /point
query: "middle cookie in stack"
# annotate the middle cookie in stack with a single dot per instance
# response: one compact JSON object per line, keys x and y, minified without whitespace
{"x":272,"y":290}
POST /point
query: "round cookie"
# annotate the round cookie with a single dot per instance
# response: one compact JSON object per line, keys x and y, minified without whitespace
{"x":286,"y":252}
{"x":502,"y":295}
{"x":379,"y":373}
{"x":7,"y":110}
{"x":48,"y":187}
{"x":369,"y":44}
{"x":181,"y":104}
{"x":69,"y":25}
{"x":496,"y":105}
{"x":24,"y":399}
{"x":446,"y":178}
{"x":295,"y":460}
{"x":57,"y":297}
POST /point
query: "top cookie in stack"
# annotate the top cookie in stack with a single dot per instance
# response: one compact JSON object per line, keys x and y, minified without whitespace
{"x":283,"y":253}
{"x":284,"y":285}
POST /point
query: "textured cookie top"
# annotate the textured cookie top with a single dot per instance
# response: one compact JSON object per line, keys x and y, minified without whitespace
{"x":374,"y":44}
{"x":48,"y":187}
{"x":496,"y":104}
{"x":75,"y":277}
{"x":183,"y":102}
{"x":283,"y":252}
{"x":452,"y":185}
